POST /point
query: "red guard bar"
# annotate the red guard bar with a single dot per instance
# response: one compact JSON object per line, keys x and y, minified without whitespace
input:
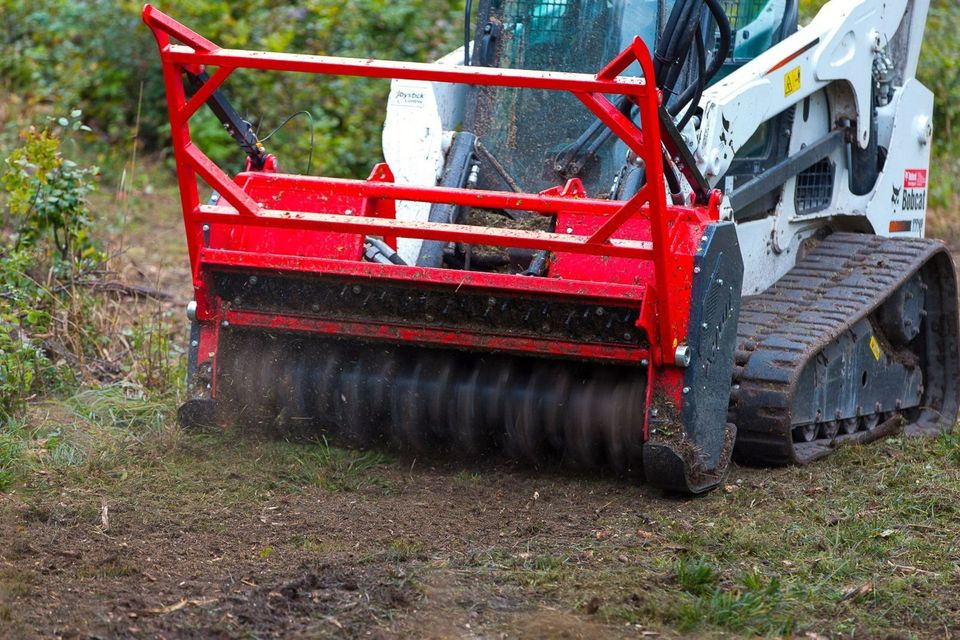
{"x":196,"y":51}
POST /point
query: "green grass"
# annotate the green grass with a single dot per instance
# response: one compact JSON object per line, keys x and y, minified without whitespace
{"x":11,"y":446}
{"x":695,"y":576}
{"x":753,"y":605}
{"x":863,"y":543}
{"x":16,"y":583}
{"x":96,"y":428}
{"x":405,"y":550}
{"x":338,"y":469}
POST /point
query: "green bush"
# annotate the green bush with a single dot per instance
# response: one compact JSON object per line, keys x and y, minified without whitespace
{"x":99,"y":56}
{"x":45,"y":242}
{"x":46,"y":195}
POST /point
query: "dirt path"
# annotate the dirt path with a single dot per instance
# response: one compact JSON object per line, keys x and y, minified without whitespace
{"x":195,"y":549}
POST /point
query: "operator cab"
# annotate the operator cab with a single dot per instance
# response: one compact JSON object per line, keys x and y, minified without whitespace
{"x":539,"y":137}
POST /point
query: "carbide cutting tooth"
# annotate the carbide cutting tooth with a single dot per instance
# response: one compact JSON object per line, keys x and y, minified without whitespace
{"x":582,"y":446}
{"x":525,"y":433}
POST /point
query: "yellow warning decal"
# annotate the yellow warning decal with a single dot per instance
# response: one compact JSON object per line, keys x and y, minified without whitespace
{"x":875,"y":347}
{"x":791,"y":82}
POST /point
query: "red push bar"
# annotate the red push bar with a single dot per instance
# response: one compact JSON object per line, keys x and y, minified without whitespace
{"x":196,"y":52}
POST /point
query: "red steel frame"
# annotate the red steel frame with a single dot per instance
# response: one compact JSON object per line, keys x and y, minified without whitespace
{"x":669,"y":291}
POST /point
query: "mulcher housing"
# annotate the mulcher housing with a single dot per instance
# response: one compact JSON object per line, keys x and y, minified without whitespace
{"x":639,"y":285}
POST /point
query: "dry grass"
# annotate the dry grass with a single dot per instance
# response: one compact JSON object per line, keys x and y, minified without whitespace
{"x":944,"y":224}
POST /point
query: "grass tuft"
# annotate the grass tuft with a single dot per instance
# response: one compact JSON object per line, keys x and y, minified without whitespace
{"x":695,"y":576}
{"x":99,"y":428}
{"x":336,"y":469}
{"x":755,"y":606}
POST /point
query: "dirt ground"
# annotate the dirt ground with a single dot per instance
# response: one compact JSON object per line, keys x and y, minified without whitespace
{"x":195,"y":535}
{"x":226,"y":538}
{"x":408,"y":560}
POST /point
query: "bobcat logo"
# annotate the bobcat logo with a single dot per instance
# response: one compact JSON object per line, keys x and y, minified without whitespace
{"x":896,"y":195}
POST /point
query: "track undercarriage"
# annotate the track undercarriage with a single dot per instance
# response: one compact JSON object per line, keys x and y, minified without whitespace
{"x":858,"y":341}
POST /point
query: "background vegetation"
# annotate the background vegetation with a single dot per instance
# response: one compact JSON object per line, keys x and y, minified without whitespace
{"x":98,"y":56}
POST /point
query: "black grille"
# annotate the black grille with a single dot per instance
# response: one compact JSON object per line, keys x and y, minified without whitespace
{"x":814,"y":191}
{"x":540,"y":18}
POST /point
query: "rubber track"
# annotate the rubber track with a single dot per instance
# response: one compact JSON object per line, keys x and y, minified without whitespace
{"x":841,"y":281}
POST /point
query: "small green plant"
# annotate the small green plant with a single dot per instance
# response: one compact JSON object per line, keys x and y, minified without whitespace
{"x":540,"y":571}
{"x":46,"y":197}
{"x":404,"y":550}
{"x":950,"y":444}
{"x":336,"y":469}
{"x":695,"y":576}
{"x":754,"y":607}
{"x":11,"y":446}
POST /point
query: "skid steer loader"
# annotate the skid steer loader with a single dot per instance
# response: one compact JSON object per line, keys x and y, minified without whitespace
{"x":645,"y":235}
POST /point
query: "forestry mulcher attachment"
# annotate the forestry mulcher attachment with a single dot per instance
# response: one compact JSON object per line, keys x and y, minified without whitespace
{"x":578,"y":250}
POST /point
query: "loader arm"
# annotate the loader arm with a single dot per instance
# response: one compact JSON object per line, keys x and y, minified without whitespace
{"x":837,"y":50}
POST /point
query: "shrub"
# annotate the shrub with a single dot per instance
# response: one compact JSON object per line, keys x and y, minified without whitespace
{"x":46,"y":195}
{"x":45,"y":242}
